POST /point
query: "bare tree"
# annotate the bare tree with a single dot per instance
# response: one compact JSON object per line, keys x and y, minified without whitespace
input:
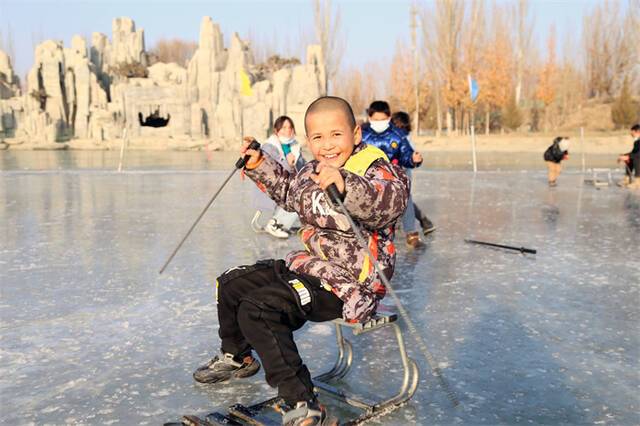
{"x":496,"y":74}
{"x":262,"y":47}
{"x":523,"y":23}
{"x":174,"y":50}
{"x":442,"y":30}
{"x":473,"y":42}
{"x":329,"y":36}
{"x":265,"y":46}
{"x":630,"y":50}
{"x":401,"y":85}
{"x":351,"y":86}
{"x":570,"y":83}
{"x":611,"y":46}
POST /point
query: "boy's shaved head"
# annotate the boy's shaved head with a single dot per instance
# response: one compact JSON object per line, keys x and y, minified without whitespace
{"x":331,"y":103}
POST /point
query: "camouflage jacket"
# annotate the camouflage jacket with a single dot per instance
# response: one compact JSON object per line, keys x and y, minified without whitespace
{"x":375,"y":199}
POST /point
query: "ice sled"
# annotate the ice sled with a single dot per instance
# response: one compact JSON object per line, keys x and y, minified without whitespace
{"x":596,"y":181}
{"x":328,"y":384}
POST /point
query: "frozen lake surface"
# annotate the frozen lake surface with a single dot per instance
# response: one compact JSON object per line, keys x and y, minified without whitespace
{"x":202,"y":160}
{"x":91,"y":334}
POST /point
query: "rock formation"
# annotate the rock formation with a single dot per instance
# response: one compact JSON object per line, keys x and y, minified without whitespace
{"x":97,"y":93}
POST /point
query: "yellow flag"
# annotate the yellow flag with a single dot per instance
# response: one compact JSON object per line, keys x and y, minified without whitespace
{"x":245,"y":84}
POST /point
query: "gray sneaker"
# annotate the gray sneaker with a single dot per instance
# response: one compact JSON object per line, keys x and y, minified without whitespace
{"x":307,"y":413}
{"x":224,"y":368}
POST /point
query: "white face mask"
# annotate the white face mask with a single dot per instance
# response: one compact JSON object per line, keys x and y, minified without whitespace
{"x":564,"y":145}
{"x":379,"y":126}
{"x":285,"y":140}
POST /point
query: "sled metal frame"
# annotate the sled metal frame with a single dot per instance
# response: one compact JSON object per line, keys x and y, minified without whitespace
{"x":253,"y":415}
{"x":595,"y":181}
{"x":255,"y":224}
{"x":371,"y":409}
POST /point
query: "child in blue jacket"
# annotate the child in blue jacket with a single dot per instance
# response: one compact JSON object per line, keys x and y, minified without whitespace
{"x":402,"y":122}
{"x":380,"y":133}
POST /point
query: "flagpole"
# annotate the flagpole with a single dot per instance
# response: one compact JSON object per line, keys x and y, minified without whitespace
{"x":473,"y":141}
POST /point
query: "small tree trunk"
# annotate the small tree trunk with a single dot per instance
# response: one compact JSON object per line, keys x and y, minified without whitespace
{"x":438,"y":117}
{"x":487,"y":126}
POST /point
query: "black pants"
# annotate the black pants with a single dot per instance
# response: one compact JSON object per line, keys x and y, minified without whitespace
{"x":634,"y":164}
{"x":259,"y":307}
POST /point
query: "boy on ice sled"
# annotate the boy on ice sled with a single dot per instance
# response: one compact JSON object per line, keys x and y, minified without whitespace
{"x":260,"y":305}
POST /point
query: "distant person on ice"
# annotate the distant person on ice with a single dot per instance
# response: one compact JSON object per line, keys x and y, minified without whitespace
{"x":260,"y":305}
{"x":554,"y":155}
{"x":632,"y":161}
{"x":402,"y":121}
{"x":283,"y":147}
{"x":380,"y":133}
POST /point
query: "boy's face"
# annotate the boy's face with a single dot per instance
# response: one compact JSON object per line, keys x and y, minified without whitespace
{"x":330,"y":137}
{"x":635,"y":135}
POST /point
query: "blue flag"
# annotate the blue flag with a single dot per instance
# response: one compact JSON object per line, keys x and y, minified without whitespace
{"x":474,"y":90}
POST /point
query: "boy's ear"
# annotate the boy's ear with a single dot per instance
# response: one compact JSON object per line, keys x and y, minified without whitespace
{"x":357,"y":135}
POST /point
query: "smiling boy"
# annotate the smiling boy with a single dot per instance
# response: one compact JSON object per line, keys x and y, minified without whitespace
{"x":259,"y":306}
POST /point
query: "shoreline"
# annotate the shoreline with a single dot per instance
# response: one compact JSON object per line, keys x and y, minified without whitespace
{"x":508,"y":143}
{"x":593,"y":144}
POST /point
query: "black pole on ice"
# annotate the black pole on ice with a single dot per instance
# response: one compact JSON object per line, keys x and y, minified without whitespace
{"x":520,"y":249}
{"x":332,"y":191}
{"x":239,"y":164}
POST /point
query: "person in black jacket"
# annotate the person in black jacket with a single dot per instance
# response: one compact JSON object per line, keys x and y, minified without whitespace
{"x":632,"y":160}
{"x":558,"y":151}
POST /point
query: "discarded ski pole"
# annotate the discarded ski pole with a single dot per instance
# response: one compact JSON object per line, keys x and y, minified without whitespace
{"x":520,"y":249}
{"x":239,"y":164}
{"x":332,"y":191}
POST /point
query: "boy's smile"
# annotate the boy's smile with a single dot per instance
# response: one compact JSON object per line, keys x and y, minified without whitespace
{"x":330,"y":137}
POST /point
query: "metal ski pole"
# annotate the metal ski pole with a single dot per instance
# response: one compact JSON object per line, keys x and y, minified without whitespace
{"x":520,"y":249}
{"x":239,"y":164}
{"x":332,"y":190}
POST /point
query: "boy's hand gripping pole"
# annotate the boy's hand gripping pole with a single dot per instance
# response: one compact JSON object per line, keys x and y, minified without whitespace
{"x":332,"y":190}
{"x":239,"y":164}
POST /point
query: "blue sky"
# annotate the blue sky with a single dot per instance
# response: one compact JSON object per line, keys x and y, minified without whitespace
{"x":372,"y":27}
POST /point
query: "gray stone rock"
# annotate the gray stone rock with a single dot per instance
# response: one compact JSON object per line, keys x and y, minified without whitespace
{"x":128,"y":43}
{"x":82,"y":93}
{"x":9,"y":82}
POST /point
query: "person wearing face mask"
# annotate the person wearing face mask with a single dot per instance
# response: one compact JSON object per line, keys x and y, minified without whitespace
{"x":283,"y":147}
{"x":381,"y":133}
